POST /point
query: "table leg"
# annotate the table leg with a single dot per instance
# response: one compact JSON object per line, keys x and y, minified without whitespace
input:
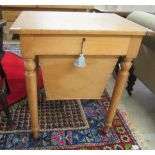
{"x":117,"y":92}
{"x":31,"y":88}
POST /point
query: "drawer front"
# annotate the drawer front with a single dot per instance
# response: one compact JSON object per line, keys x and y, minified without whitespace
{"x":62,"y":80}
{"x":106,"y":45}
{"x":57,"y":45}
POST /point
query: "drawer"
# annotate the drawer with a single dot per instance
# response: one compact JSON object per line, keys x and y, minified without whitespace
{"x":70,"y":45}
{"x":62,"y":80}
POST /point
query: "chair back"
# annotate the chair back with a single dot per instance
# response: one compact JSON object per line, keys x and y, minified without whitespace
{"x":147,"y":20}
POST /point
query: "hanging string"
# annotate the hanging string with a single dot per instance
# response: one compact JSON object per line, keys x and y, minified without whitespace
{"x":80,"y":62}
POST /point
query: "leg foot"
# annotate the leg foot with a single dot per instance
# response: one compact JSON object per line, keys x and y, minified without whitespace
{"x":36,"y":134}
{"x":106,"y":130}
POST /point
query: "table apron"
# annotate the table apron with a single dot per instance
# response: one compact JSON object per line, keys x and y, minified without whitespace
{"x":70,"y":45}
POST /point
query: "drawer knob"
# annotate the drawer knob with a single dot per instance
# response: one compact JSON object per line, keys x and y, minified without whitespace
{"x":80,"y":62}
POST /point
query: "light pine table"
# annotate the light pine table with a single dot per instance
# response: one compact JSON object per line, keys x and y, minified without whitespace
{"x":54,"y":39}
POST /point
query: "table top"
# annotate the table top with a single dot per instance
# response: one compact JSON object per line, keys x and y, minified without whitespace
{"x":53,"y":22}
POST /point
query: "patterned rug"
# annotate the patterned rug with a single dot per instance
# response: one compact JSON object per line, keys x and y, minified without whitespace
{"x":53,"y":115}
{"x":120,"y":136}
{"x":81,"y":128}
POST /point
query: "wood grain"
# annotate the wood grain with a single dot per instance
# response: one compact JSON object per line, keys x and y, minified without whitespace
{"x":134,"y":46}
{"x":71,"y":45}
{"x":121,"y":79}
{"x":117,"y":92}
{"x":10,"y":16}
{"x":55,"y":38}
{"x":75,"y":23}
{"x":65,"y":81}
{"x":31,"y":89}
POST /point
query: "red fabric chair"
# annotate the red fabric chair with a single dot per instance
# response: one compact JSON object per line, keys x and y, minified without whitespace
{"x":12,"y":76}
{"x":13,"y":67}
{"x":12,"y":81}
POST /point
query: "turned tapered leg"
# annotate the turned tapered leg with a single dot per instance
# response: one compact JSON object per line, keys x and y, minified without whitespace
{"x":117,"y":92}
{"x":31,"y":86}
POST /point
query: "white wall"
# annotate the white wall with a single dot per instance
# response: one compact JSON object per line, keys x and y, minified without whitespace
{"x":147,"y":8}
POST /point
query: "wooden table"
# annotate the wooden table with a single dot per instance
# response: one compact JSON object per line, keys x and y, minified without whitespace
{"x":55,"y":39}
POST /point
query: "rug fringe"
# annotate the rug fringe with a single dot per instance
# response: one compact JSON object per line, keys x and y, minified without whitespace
{"x":139,"y":138}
